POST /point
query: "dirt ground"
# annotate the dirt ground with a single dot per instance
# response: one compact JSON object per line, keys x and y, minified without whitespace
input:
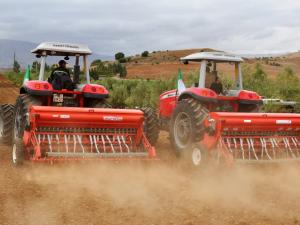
{"x":153,"y":193}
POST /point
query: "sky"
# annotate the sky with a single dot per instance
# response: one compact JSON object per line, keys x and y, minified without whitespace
{"x":132,"y":26}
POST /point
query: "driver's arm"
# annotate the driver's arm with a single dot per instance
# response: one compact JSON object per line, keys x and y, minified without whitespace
{"x":50,"y":78}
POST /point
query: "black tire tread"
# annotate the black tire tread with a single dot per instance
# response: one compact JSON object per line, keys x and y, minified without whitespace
{"x":198,"y":113}
{"x":25,"y":101}
{"x":7,"y":113}
{"x":151,"y":125}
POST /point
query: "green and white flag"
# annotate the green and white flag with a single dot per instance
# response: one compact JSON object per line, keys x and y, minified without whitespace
{"x":180,"y":84}
{"x":27,"y":74}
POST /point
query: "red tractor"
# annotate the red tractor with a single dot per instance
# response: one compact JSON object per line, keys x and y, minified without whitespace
{"x":73,"y":122}
{"x":205,"y":125}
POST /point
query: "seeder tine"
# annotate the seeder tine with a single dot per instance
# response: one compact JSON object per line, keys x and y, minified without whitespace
{"x":79,"y":138}
{"x":124,"y":142}
{"x":294,"y":140}
{"x":74,"y":143}
{"x":242,"y":148}
{"x":262,"y":148}
{"x":289,"y":148}
{"x":66,"y":143}
{"x":253,"y":149}
{"x":131,"y":143}
{"x":95,"y":141}
{"x":235,"y":147}
{"x":58,"y":142}
{"x":91,"y":142}
{"x":109,"y":141}
{"x":273,"y":148}
{"x":266,"y":148}
{"x":249,"y":148}
{"x":103,"y":142}
{"x":118,"y":138}
{"x":228,"y":144}
{"x":49,"y":141}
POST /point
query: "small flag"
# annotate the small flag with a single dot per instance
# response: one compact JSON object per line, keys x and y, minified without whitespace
{"x":180,"y":84}
{"x":27,"y":74}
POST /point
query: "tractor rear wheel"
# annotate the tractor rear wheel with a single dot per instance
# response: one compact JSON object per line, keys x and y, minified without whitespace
{"x":186,"y":126}
{"x":6,"y":120}
{"x":24,"y":101}
{"x":151,"y":125}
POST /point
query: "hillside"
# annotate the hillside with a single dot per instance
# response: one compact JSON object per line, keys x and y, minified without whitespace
{"x":165,"y":64}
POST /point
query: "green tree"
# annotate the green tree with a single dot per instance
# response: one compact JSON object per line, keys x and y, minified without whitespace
{"x":16,"y":66}
{"x":145,"y":54}
{"x":119,"y":55}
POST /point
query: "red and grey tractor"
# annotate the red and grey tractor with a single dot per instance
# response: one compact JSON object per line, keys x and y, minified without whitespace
{"x":48,"y":124}
{"x":228,"y":126}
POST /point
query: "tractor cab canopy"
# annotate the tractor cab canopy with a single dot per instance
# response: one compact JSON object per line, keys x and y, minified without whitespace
{"x":63,"y":49}
{"x":212,"y":56}
{"x":207,"y":75}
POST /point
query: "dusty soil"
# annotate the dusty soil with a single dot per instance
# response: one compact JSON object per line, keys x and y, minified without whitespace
{"x":154,"y":193}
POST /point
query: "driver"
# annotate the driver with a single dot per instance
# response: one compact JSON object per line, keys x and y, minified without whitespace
{"x":217,"y":86}
{"x":60,"y":77}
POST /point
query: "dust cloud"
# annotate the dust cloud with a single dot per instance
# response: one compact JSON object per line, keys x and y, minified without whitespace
{"x":151,"y":193}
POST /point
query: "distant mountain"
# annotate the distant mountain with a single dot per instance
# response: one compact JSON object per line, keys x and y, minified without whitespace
{"x":23,"y":55}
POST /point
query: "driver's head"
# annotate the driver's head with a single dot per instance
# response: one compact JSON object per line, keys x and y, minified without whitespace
{"x":62,"y":63}
{"x":217,"y":80}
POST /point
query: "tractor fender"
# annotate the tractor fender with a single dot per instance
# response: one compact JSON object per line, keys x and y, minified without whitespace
{"x":94,"y":91}
{"x":201,"y":94}
{"x":167,"y":103}
{"x":249,"y":97}
{"x":35,"y":87}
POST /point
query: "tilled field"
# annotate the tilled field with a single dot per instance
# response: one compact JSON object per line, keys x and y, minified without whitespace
{"x":153,"y":193}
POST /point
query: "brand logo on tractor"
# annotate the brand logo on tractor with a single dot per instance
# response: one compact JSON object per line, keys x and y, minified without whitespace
{"x":61,"y":116}
{"x":112,"y":118}
{"x":283,"y":122}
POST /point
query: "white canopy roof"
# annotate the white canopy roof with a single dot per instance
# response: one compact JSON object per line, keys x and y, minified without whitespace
{"x":212,"y":56}
{"x":62,"y":49}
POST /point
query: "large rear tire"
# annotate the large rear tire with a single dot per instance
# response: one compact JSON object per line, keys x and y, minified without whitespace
{"x":186,"y":126}
{"x":151,"y":125}
{"x":20,"y":122}
{"x":6,"y":123}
